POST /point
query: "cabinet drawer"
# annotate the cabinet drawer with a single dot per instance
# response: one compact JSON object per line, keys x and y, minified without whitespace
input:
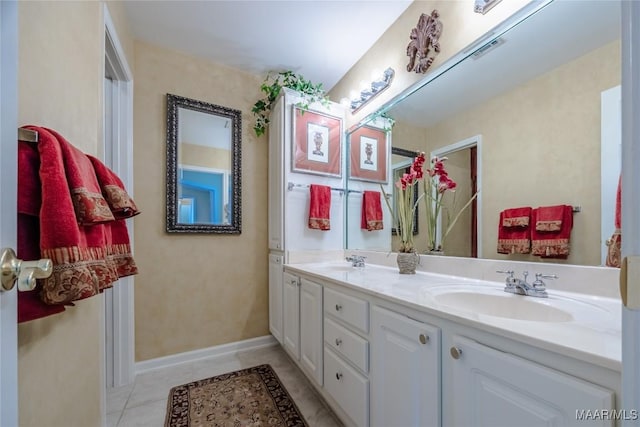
{"x":348,"y":344}
{"x":352,"y":310}
{"x":348,"y":388}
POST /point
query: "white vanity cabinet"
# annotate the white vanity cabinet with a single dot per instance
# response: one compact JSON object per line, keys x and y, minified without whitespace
{"x":405,"y":371}
{"x":275,"y":296}
{"x":291,"y":318}
{"x":311,"y":329}
{"x":494,"y":388}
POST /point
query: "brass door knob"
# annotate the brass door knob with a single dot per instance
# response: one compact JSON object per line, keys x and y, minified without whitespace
{"x":24,"y":272}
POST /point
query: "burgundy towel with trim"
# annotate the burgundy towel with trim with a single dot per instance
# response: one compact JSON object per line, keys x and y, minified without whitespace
{"x":120,"y":203}
{"x":319,"y":207}
{"x":513,"y":240}
{"x":614,"y":244}
{"x":516,"y":217}
{"x":72,"y":214}
{"x":371,"y":217}
{"x":549,"y":218}
{"x":552,"y":244}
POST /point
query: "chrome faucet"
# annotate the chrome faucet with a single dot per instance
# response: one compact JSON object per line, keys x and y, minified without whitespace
{"x":522,"y":287}
{"x":356,"y":260}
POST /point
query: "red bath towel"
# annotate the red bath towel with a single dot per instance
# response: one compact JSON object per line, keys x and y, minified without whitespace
{"x":371,"y":211}
{"x":614,"y":244}
{"x":84,"y":250}
{"x":319,"y":207}
{"x":513,"y":240}
{"x":552,"y":244}
{"x":30,"y":306}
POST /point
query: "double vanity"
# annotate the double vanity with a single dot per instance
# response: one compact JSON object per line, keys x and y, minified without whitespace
{"x":443,"y":349}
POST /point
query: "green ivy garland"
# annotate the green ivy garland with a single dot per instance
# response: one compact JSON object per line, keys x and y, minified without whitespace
{"x":271,"y":87}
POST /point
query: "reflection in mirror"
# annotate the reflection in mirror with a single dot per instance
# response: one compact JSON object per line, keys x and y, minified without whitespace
{"x":401,"y":160}
{"x":532,"y":89}
{"x":203,"y":167}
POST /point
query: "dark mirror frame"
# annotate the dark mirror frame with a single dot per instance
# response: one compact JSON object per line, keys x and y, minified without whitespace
{"x":173,"y":103}
{"x":412,"y":154}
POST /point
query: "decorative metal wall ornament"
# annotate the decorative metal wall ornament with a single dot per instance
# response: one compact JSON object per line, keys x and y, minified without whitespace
{"x":424,"y":44}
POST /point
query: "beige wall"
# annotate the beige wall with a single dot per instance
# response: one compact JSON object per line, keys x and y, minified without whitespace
{"x":206,"y":157}
{"x":537,"y":155}
{"x":60,"y":86}
{"x":461,"y":26}
{"x":195,"y":290}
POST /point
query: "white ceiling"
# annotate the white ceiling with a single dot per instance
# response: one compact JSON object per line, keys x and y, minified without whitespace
{"x":319,"y":39}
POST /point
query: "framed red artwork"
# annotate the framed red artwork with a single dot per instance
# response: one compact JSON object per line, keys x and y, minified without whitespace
{"x":317,"y":143}
{"x":368,"y":153}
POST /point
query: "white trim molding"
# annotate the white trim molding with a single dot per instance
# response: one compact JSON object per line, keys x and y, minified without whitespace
{"x":119,"y":156}
{"x":205,"y":353}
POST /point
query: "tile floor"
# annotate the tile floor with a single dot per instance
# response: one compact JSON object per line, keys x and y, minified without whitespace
{"x":144,"y":403}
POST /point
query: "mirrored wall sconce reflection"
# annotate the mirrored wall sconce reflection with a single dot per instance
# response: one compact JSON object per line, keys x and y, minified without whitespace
{"x":368,"y":91}
{"x":484,"y":6}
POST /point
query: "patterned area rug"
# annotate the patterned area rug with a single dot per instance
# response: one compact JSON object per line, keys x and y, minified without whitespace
{"x":248,"y":397}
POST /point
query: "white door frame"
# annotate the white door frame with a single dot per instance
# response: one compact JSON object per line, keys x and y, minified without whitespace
{"x":8,"y":211}
{"x":119,"y":302}
{"x":630,"y":200}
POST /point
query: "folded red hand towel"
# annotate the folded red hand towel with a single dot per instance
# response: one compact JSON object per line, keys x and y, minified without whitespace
{"x":371,"y":211}
{"x":549,"y":218}
{"x":552,"y":244}
{"x":516,"y":217}
{"x":120,"y":203}
{"x":513,"y":240}
{"x":319,"y":207}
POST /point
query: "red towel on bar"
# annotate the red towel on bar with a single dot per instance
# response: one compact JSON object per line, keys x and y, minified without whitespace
{"x":319,"y":207}
{"x":371,"y":211}
{"x":120,"y":203}
{"x":30,"y":306}
{"x":552,"y":244}
{"x":516,"y":217}
{"x":512,"y":239}
{"x":549,"y":218}
{"x":85,"y":250}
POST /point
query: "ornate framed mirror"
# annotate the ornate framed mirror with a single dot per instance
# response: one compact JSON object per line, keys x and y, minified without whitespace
{"x":203,"y":167}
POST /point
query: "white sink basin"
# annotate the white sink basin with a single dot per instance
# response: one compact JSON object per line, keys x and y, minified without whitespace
{"x":507,"y":305}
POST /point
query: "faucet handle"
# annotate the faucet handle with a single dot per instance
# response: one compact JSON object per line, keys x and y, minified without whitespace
{"x":539,"y":284}
{"x":509,"y":272}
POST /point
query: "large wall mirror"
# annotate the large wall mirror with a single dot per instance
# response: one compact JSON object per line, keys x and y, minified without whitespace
{"x":533,"y":89}
{"x":203,"y":167}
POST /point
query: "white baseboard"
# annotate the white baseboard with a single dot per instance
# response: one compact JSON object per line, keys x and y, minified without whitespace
{"x":205,"y":353}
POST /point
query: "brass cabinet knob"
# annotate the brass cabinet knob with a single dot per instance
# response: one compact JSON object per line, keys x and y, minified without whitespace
{"x":423,"y":338}
{"x":456,"y":352}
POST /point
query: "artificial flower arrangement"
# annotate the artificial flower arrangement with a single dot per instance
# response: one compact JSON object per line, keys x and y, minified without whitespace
{"x":405,"y":205}
{"x":436,"y":182}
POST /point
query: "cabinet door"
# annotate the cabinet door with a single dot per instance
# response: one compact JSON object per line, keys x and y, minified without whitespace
{"x":311,"y":329}
{"x":405,"y":371}
{"x":291,"y":325}
{"x":275,"y":296}
{"x":493,"y":389}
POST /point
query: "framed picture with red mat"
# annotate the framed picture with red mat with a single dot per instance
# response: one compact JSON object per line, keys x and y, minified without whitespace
{"x":317,"y":143}
{"x":368,"y":155}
